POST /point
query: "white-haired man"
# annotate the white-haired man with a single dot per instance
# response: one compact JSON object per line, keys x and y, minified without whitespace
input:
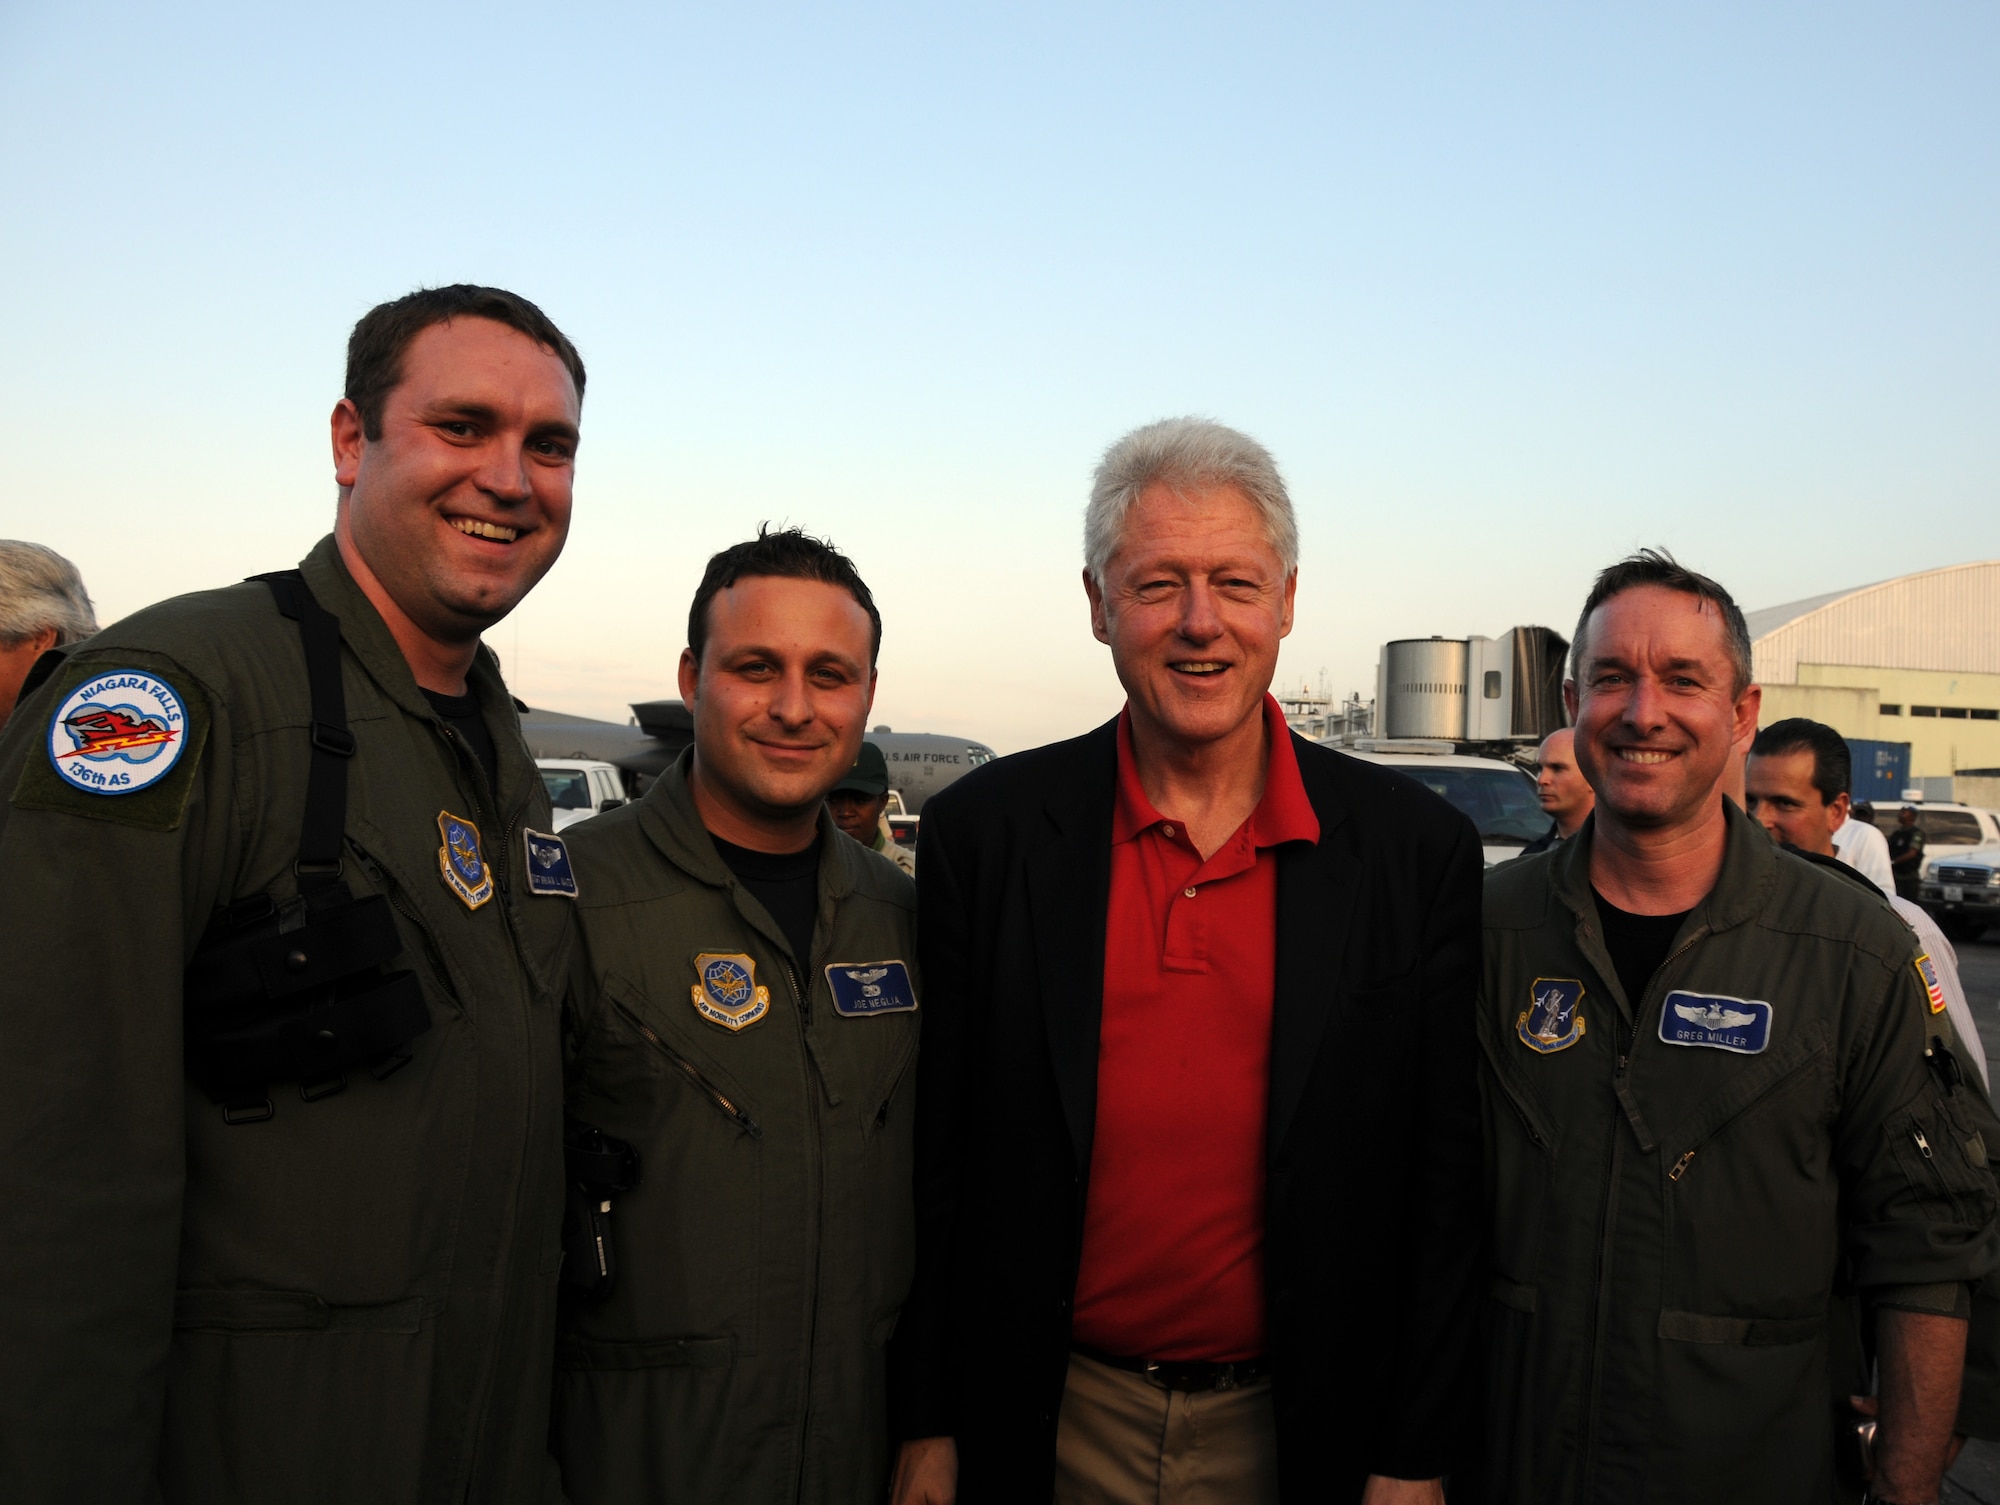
{"x":43,"y":605}
{"x":1197,"y":1122}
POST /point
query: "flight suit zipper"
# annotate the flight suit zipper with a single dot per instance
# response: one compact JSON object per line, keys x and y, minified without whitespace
{"x":1628,"y":1038}
{"x":723,"y":1103}
{"x":818,"y":1174}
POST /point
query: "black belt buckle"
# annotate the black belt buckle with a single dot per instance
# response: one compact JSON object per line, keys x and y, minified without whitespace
{"x":1201,"y":1374}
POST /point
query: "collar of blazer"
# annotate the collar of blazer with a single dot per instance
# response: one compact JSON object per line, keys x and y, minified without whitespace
{"x":1068,"y":877}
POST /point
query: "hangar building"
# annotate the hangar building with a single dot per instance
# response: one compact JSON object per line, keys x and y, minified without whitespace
{"x":1915,"y":659}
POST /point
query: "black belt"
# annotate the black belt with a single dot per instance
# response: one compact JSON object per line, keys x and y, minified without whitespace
{"x":1184,"y":1374}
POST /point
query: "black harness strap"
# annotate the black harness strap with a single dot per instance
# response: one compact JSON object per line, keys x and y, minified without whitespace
{"x":325,"y":821}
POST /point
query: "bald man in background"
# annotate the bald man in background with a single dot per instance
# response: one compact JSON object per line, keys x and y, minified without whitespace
{"x":1561,"y":788}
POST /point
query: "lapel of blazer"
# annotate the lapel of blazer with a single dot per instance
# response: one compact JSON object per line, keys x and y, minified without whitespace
{"x":1068,"y":871}
{"x":1316,"y":892}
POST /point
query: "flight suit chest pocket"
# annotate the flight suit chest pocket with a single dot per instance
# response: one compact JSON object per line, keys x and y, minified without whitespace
{"x":1750,"y":1190}
{"x":865,"y":1033}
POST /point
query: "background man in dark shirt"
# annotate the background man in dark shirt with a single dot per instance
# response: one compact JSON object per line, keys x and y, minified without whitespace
{"x":1906,"y":852}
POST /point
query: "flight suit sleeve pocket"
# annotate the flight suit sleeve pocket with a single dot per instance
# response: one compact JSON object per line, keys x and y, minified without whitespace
{"x":1943,"y":1159}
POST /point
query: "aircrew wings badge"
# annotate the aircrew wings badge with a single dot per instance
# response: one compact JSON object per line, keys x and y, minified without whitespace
{"x":727,"y":992}
{"x":1927,"y":970}
{"x":1554,"y":1020}
{"x":118,"y":733}
{"x":462,"y":862}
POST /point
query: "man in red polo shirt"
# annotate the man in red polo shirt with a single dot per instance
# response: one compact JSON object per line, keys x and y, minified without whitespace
{"x":1197,"y":1127}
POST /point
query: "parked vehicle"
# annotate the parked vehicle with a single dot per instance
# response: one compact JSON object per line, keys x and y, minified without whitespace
{"x":580,"y":788}
{"x":1946,"y":827}
{"x":1961,"y":889}
{"x":1498,"y":797}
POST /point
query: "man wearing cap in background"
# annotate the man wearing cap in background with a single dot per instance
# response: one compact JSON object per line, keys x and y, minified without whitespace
{"x":42,"y":606}
{"x":857,"y":804}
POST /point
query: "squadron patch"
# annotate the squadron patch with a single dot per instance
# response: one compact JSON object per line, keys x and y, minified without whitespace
{"x":1742,"y":1025}
{"x":1553,"y":1020}
{"x":1927,"y":970}
{"x":548,"y":866}
{"x":462,"y":862}
{"x":728,"y":993}
{"x":118,"y":733}
{"x":864,"y":988}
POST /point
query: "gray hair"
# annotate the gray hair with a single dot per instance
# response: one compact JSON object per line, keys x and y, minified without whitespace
{"x":40,"y":589}
{"x":1185,"y":454}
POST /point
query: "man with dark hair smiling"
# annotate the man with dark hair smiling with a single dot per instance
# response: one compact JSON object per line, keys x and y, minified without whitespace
{"x":743,"y":1014}
{"x":1709,"y":1083}
{"x":280,"y":1078}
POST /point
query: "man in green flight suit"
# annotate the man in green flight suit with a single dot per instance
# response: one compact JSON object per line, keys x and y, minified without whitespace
{"x":1711,"y":1078}
{"x":745,"y":1015}
{"x":280,"y":1062}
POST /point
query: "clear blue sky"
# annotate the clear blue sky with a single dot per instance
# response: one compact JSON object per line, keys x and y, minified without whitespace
{"x":1509,"y":290}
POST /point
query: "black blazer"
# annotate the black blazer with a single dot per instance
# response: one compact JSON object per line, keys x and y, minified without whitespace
{"x":1373,"y":1217}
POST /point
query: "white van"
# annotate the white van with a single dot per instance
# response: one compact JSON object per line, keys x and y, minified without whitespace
{"x":579,"y":788}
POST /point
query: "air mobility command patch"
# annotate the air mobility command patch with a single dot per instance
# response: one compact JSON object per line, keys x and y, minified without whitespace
{"x":548,"y":869}
{"x":1742,"y":1025}
{"x":1927,"y":970}
{"x":861,"y":989}
{"x":461,"y":861}
{"x":727,"y":992}
{"x":119,"y":745}
{"x":1553,"y":1021}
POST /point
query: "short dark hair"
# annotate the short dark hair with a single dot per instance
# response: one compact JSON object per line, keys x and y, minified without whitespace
{"x":1833,"y":764}
{"x":788,"y":554}
{"x":375,"y":350}
{"x":1658,"y":567}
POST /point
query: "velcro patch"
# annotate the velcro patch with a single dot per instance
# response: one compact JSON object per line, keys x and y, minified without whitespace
{"x":1927,"y":970}
{"x":549,"y":871}
{"x":119,"y":745}
{"x":863,"y":989}
{"x":1741,"y":1025}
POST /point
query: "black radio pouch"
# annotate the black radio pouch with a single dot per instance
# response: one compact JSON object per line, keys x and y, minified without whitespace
{"x":596,"y":1168}
{"x":296,"y":990}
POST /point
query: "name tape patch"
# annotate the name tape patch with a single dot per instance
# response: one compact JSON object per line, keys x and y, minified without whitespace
{"x":1714,"y":1020}
{"x":862,"y":989}
{"x":118,"y":733}
{"x":548,"y":866}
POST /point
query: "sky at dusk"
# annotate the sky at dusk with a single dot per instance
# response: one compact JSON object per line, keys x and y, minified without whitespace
{"x":1508,"y":290}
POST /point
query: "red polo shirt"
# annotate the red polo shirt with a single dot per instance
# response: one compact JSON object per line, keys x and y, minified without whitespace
{"x":1173,"y":1229}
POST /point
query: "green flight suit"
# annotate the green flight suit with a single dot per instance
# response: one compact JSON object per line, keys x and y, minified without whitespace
{"x":1670,"y":1218}
{"x":354,"y":1299}
{"x":766,"y":1252}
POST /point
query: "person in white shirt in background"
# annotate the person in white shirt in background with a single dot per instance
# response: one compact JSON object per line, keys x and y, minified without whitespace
{"x":1861,"y":845}
{"x":1796,"y":782}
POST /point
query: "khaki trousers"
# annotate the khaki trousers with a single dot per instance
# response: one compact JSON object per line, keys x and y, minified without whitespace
{"x":1123,"y":1441}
